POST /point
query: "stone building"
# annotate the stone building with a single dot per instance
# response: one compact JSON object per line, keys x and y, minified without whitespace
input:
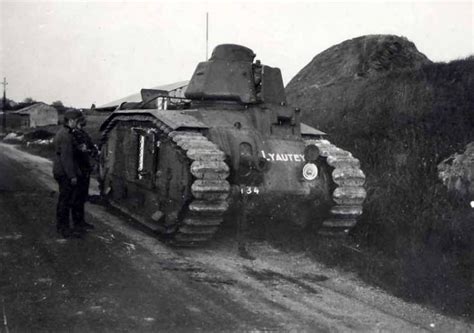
{"x":36,"y":115}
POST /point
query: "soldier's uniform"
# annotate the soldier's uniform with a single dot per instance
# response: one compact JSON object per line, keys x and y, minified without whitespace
{"x":84,"y":150}
{"x":65,"y":169}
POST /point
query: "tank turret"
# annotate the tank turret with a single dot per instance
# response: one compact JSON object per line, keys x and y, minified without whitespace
{"x":231,"y":75}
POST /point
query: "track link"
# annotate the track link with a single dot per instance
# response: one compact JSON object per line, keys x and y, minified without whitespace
{"x":200,"y":218}
{"x":210,"y":189}
{"x":349,"y":194}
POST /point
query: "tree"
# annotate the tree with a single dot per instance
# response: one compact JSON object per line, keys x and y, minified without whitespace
{"x":58,"y":104}
{"x":29,"y":100}
{"x":10,"y":104}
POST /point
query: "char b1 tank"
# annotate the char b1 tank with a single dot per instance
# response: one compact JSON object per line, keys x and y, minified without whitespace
{"x":184,"y":166}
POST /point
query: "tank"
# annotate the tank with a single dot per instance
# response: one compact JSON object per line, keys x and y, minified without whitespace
{"x":230,"y":146}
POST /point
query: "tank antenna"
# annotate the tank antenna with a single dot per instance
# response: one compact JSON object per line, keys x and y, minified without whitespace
{"x":207,"y":33}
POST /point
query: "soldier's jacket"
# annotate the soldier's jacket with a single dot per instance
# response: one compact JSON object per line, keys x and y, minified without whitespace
{"x":84,"y":149}
{"x":65,"y":163}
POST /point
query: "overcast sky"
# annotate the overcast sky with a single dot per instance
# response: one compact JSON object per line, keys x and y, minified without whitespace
{"x":94,"y":52}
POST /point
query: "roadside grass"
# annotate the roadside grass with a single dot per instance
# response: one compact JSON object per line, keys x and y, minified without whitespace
{"x":418,"y":239}
{"x":46,"y":150}
{"x":30,"y":135}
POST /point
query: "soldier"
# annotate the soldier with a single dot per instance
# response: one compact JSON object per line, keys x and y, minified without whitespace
{"x":84,"y":151}
{"x":242,"y":226}
{"x":66,"y":172}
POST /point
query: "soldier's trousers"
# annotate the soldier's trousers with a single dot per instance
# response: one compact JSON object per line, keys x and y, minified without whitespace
{"x":80,"y":197}
{"x":67,"y":204}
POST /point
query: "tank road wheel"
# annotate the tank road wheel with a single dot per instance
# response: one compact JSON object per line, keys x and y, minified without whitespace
{"x":349,"y":193}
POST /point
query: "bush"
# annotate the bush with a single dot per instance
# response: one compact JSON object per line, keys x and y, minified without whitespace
{"x":401,"y":125}
{"x":38,"y":134}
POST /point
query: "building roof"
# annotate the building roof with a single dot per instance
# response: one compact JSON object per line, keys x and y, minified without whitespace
{"x":37,"y":106}
{"x":138,"y":97}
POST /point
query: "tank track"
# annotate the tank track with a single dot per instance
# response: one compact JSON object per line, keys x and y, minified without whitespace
{"x":200,"y":219}
{"x":349,"y":193}
{"x":210,"y":189}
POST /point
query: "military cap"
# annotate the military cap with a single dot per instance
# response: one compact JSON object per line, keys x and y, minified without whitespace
{"x":72,"y":114}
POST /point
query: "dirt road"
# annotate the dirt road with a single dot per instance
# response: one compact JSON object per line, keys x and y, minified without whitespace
{"x":120,"y":278}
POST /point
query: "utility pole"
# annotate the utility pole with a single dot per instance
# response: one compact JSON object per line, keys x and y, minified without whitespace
{"x":4,"y":83}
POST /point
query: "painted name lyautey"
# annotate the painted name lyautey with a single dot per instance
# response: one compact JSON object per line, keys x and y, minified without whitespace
{"x":272,"y":157}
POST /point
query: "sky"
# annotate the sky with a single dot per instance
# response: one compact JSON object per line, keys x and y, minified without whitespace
{"x":86,"y":52}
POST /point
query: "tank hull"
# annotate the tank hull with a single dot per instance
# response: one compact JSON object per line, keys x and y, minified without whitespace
{"x":161,"y":179}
